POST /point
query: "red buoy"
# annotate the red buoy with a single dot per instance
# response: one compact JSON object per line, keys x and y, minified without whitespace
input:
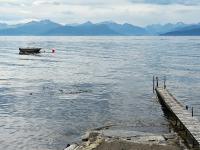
{"x":53,"y":50}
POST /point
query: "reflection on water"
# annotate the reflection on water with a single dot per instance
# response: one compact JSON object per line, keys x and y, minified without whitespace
{"x":49,"y":100}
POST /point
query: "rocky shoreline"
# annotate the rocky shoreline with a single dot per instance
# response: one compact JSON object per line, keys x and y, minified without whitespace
{"x":120,"y":139}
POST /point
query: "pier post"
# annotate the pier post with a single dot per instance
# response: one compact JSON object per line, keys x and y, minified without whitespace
{"x":186,"y":107}
{"x":153,"y":84}
{"x":176,"y":123}
{"x":192,"y":112}
{"x":164,"y":82}
{"x":156,"y":81}
{"x":193,"y":144}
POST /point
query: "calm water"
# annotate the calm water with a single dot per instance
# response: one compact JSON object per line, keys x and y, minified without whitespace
{"x":49,"y":100}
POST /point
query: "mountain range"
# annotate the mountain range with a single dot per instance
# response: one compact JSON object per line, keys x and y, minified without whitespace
{"x":191,"y":30}
{"x":108,"y":28}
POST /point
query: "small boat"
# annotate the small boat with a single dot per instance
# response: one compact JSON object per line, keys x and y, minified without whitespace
{"x":29,"y":50}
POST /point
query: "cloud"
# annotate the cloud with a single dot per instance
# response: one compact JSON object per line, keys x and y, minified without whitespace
{"x":168,"y":2}
{"x":44,"y":2}
{"x":139,"y":12}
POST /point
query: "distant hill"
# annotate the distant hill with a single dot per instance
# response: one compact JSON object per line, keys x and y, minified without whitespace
{"x":49,"y":28}
{"x":108,"y":28}
{"x":192,"y":30}
{"x":30,"y":28}
{"x":3,"y":26}
{"x":104,"y":28}
{"x":86,"y":29}
{"x":157,"y":29}
{"x":126,"y":29}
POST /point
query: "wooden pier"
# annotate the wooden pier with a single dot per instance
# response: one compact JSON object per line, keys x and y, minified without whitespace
{"x":184,"y":118}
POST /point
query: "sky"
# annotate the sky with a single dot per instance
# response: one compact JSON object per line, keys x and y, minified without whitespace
{"x":137,"y":12}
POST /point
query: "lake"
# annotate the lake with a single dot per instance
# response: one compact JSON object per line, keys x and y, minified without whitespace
{"x":51,"y":99}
